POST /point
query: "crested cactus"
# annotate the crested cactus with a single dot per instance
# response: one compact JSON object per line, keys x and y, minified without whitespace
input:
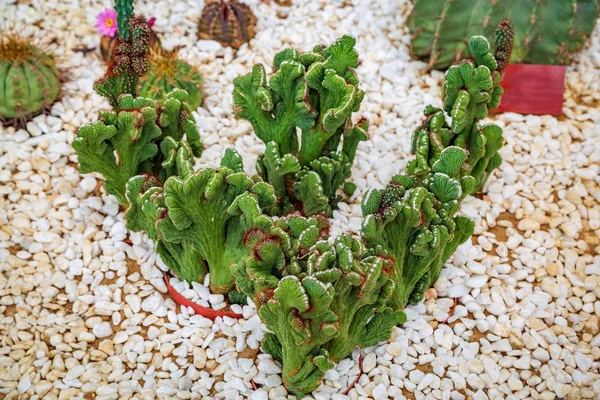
{"x":29,"y":79}
{"x":470,"y":90}
{"x":412,"y":222}
{"x":128,"y":64}
{"x":319,"y":299}
{"x":546,"y":31}
{"x":125,"y":143}
{"x":229,"y":22}
{"x":167,"y":72}
{"x":212,"y":209}
{"x":316,"y":92}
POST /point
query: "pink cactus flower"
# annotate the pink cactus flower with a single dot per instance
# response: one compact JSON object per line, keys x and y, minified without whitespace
{"x":106,"y":23}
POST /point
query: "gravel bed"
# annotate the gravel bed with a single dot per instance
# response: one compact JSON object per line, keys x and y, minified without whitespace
{"x":83,"y":313}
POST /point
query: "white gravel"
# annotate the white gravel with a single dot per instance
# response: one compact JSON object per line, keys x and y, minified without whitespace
{"x":82,"y":313}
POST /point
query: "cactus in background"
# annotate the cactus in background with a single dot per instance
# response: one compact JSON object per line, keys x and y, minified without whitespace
{"x":412,"y":222}
{"x":167,"y":72}
{"x":229,"y":22}
{"x":546,"y":31}
{"x":470,"y":90}
{"x":125,"y":143}
{"x":318,"y":93}
{"x":129,"y":63}
{"x":319,"y":299}
{"x":29,"y":79}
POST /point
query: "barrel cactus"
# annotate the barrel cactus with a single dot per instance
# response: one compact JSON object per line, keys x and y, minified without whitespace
{"x":229,"y":22}
{"x":546,"y":31}
{"x":168,"y":72}
{"x":29,"y":79}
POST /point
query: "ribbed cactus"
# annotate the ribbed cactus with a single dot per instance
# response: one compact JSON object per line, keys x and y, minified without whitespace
{"x":546,"y":31}
{"x":229,"y":22}
{"x":124,"y":10}
{"x":126,"y":142}
{"x":29,"y":79}
{"x":167,"y":72}
{"x":129,"y":63}
{"x":318,"y":93}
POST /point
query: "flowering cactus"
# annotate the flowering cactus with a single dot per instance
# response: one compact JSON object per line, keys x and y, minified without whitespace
{"x":316,"y":92}
{"x":470,"y":90}
{"x":125,"y":143}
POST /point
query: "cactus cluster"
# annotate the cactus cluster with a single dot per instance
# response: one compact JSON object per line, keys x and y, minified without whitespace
{"x":29,"y":79}
{"x":267,"y":236}
{"x":546,"y":31}
{"x":317,"y":93}
{"x":167,"y":72}
{"x":229,"y":22}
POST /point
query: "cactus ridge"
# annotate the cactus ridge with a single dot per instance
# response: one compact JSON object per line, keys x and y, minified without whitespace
{"x":545,"y":31}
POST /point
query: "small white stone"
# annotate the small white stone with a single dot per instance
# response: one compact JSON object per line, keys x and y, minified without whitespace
{"x":369,"y":362}
{"x":380,"y":392}
{"x":102,"y":330}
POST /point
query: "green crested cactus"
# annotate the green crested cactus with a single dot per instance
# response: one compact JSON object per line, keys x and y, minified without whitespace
{"x":167,"y":72}
{"x":229,"y":22}
{"x":319,"y":299}
{"x":125,"y":143}
{"x":210,"y":210}
{"x":412,"y":222}
{"x":470,"y":89}
{"x":129,"y":61}
{"x":29,"y":79}
{"x":316,"y":92}
{"x":546,"y":31}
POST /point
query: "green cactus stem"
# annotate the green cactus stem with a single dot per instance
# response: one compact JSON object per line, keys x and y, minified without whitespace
{"x":167,"y":72}
{"x":29,"y":79}
{"x":124,"y":10}
{"x":316,"y":92}
{"x":128,"y":64}
{"x":546,"y":31}
{"x":470,"y":90}
{"x":412,"y":221}
{"x":229,"y":22}
{"x":136,"y":139}
{"x":205,"y":208}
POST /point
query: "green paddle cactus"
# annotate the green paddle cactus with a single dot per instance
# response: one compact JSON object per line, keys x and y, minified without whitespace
{"x":470,"y":90}
{"x":316,"y":92}
{"x":167,"y":72}
{"x":29,"y":79}
{"x":546,"y":31}
{"x":125,"y":143}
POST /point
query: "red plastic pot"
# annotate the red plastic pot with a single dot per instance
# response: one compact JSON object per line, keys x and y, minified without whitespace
{"x":533,"y":89}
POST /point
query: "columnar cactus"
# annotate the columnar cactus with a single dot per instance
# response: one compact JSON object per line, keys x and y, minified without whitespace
{"x":167,"y":72}
{"x":125,"y":143}
{"x":128,"y":64}
{"x":29,"y":79}
{"x":546,"y":31}
{"x":316,"y":92}
{"x":229,"y":22}
{"x":470,"y":90}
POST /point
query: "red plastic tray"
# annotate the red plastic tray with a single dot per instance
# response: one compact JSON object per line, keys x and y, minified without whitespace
{"x":533,"y":89}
